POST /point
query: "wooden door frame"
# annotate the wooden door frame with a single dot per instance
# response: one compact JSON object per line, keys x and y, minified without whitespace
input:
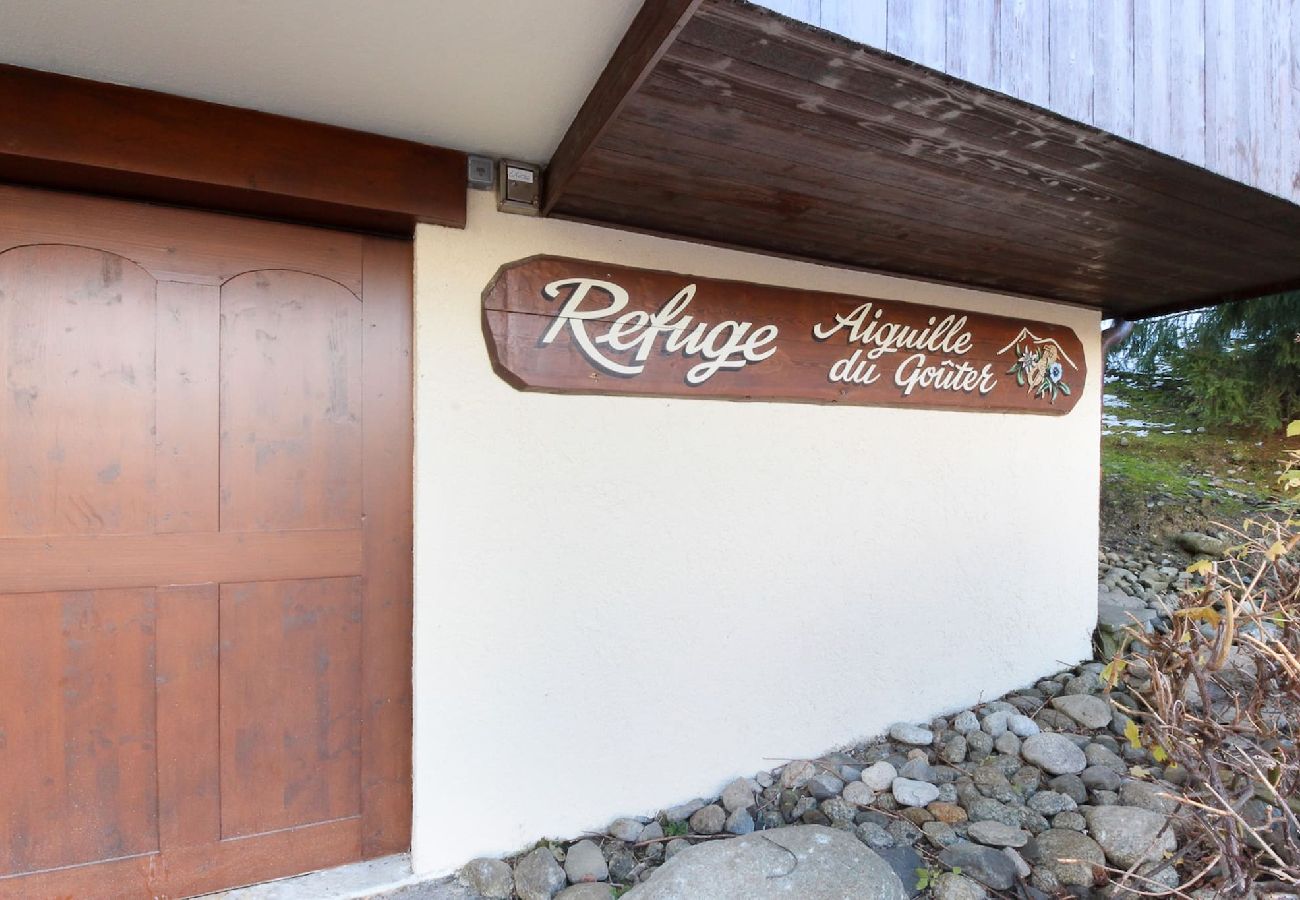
{"x":86,"y":137}
{"x":73,"y":134}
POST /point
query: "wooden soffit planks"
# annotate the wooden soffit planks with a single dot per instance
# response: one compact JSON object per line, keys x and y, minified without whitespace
{"x":72,"y":134}
{"x":727,"y":123}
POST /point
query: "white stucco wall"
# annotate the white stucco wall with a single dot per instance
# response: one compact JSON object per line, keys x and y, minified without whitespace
{"x":622,"y":602}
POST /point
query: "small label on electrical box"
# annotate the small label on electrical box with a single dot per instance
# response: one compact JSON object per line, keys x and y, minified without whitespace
{"x":516,"y":174}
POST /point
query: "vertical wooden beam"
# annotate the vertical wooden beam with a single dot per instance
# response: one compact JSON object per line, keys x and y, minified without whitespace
{"x":653,"y":29}
{"x":386,"y":718}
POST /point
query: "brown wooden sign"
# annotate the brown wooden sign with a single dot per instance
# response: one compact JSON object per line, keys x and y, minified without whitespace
{"x":572,"y":326}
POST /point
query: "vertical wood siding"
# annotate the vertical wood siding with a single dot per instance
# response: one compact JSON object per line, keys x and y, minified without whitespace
{"x":1214,"y":82}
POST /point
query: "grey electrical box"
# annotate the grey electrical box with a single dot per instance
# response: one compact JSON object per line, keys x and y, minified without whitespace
{"x":519,"y":187}
{"x":482,"y":173}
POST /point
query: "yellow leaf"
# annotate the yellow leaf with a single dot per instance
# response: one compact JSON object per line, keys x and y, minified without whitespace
{"x":1158,"y":753}
{"x":1201,"y":567}
{"x":1134,"y":736}
{"x":1278,"y":549}
{"x":1138,"y":772}
{"x":1201,"y":614}
{"x":1110,"y":674}
{"x":1293,"y":430}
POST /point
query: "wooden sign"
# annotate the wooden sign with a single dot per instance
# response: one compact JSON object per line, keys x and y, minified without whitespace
{"x":571,"y":326}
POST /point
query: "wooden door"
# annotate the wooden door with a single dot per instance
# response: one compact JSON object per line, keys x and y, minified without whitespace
{"x":205,"y":548}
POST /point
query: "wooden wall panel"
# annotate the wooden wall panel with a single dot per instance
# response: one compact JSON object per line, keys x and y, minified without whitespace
{"x":77,"y":337}
{"x":76,"y":728}
{"x":972,"y":28}
{"x":1112,"y":65}
{"x":1213,"y":82}
{"x":1070,"y":62}
{"x":917,"y":31}
{"x":287,"y":760}
{"x":290,"y":403}
{"x":864,"y":21}
{"x":1024,"y":70}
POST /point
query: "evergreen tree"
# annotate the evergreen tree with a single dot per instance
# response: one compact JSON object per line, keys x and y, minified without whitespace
{"x":1235,"y":364}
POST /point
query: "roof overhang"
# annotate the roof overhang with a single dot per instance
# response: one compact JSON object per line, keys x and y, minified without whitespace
{"x":724,"y":122}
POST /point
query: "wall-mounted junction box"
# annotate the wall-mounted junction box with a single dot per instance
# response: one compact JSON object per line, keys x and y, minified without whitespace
{"x":519,"y":187}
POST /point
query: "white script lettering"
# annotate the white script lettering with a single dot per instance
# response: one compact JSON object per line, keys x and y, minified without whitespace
{"x":727,"y":345}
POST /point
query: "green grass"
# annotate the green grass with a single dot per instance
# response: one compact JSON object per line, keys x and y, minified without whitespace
{"x":1139,"y":467}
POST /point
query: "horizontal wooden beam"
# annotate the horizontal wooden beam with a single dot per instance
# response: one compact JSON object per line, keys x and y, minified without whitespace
{"x":83,"y":562}
{"x":652,"y":31}
{"x":73,"y":134}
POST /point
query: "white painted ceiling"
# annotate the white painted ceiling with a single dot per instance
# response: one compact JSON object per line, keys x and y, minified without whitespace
{"x":504,"y":77}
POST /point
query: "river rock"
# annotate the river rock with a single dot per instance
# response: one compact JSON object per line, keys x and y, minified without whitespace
{"x":585,"y":862}
{"x":914,"y":735}
{"x":879,"y":776}
{"x":626,"y":829}
{"x":949,"y":886}
{"x":490,"y":878}
{"x":538,"y":876}
{"x":801,"y":861}
{"x":1058,"y":845}
{"x":858,"y":794}
{"x":1053,"y":753}
{"x":986,"y":865}
{"x":1145,"y":795}
{"x":737,"y":795}
{"x":1195,"y":542}
{"x":797,"y":774}
{"x":708,"y":820}
{"x":1086,"y":709}
{"x":914,"y":793}
{"x":1129,"y":835}
{"x":589,"y":891}
{"x":996,"y":834}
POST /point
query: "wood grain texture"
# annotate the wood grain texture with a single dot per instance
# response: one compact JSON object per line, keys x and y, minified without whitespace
{"x":290,"y":403}
{"x":755,"y":131}
{"x":654,"y":27}
{"x":290,"y":704}
{"x":199,"y":633}
{"x":1111,"y":25}
{"x":70,"y":133}
{"x":1151,"y":72}
{"x":386,"y":723}
{"x":562,"y":325}
{"x":189,"y":734}
{"x":131,"y":560}
{"x":1024,"y":64}
{"x":1070,"y":62}
{"x":77,"y":740}
{"x":917,"y":30}
{"x":972,"y":27}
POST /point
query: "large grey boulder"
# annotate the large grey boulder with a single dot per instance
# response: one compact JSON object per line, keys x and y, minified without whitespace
{"x":810,"y":862}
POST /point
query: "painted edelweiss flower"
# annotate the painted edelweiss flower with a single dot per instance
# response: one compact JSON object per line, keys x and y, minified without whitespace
{"x":1027,"y":359}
